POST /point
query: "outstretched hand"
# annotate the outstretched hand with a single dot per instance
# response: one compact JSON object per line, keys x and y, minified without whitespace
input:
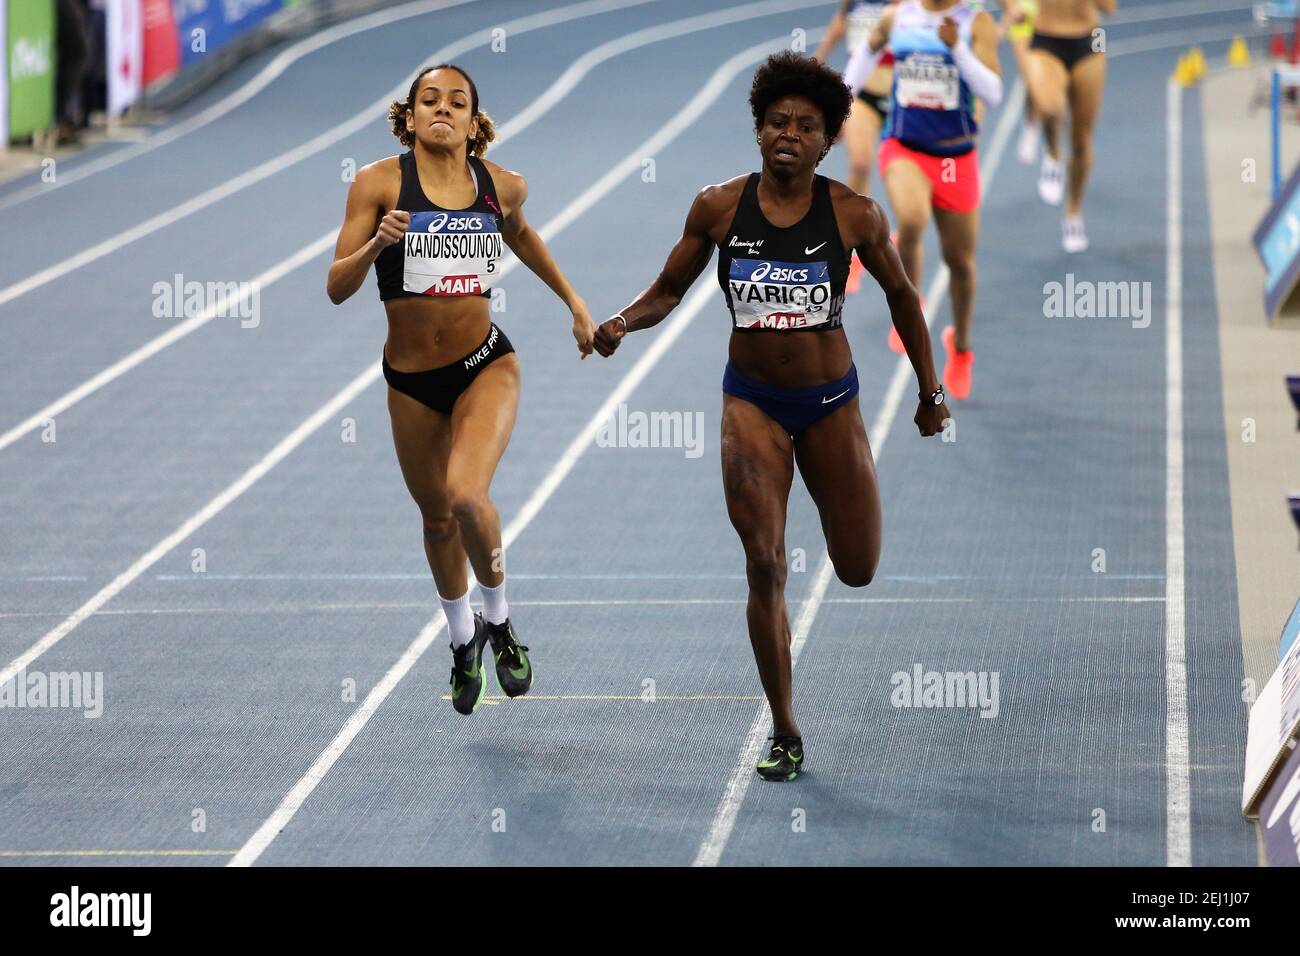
{"x":609,"y":334}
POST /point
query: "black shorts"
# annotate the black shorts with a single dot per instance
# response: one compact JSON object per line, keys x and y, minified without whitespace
{"x":877,"y":101}
{"x":1069,"y":50}
{"x":438,"y":388}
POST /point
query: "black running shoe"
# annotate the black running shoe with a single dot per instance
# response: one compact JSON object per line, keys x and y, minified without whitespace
{"x":514,"y":672}
{"x":467,"y":683}
{"x":785,"y":760}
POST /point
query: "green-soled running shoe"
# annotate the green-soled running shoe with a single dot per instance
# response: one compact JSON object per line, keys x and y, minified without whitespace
{"x":514,"y":670}
{"x":785,"y":761}
{"x":467,"y":683}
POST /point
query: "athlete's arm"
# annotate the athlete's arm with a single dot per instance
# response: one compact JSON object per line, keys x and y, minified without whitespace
{"x":834,"y":32}
{"x":877,"y":254}
{"x":685,"y":263}
{"x":865,"y":58}
{"x":359,"y":240}
{"x":978,"y":62}
{"x":1106,"y":6}
{"x":512,"y":190}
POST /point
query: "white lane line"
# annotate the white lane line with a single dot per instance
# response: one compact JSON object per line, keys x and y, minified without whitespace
{"x":295,"y":798}
{"x":564,"y":84}
{"x":424,"y":578}
{"x":1178,"y":834}
{"x":268,"y":74}
{"x":316,"y":144}
{"x":710,"y":849}
{"x":613,"y":602}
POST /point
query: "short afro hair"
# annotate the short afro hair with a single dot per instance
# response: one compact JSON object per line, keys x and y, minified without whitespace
{"x":784,"y":73}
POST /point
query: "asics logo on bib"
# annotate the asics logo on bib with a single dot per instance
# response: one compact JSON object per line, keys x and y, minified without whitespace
{"x":456,"y":223}
{"x":779,"y":273}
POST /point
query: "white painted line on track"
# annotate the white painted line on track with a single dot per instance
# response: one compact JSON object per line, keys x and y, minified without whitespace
{"x":1178,"y":836}
{"x":369,"y":606}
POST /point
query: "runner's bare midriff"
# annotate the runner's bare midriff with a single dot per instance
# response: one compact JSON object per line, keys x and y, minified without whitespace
{"x":425,"y":332}
{"x":1066,"y":18}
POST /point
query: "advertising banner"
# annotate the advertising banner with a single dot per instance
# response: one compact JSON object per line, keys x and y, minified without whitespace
{"x":205,"y":26}
{"x":29,"y":55}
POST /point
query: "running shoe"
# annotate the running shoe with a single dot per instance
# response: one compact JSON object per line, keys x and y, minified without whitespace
{"x":784,"y":761}
{"x":514,"y":672}
{"x":956,"y":371}
{"x":1073,"y":237}
{"x":467,"y":683}
{"x":1051,"y":181}
{"x":1027,"y":146}
{"x":855,"y":274}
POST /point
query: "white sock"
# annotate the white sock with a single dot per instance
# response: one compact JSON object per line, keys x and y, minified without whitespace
{"x":460,"y":619}
{"x":495,"y":608}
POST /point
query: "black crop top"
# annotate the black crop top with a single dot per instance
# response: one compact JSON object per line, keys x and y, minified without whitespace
{"x":779,"y":277}
{"x":445,"y":252}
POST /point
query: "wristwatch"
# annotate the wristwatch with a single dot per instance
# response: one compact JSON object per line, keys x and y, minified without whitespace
{"x":934,"y":398}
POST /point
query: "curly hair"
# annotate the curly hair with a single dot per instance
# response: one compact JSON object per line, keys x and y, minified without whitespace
{"x":784,"y":73}
{"x":397,"y":112}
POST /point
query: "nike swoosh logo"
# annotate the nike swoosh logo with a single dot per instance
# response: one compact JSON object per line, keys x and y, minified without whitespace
{"x":808,"y":252}
{"x":840,"y":395}
{"x":522,"y":672}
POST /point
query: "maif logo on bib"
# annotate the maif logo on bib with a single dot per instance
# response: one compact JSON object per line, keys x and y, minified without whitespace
{"x":779,"y":295}
{"x":451,"y":253}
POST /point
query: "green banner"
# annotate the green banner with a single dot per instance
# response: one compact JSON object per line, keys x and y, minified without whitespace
{"x":30,"y":60}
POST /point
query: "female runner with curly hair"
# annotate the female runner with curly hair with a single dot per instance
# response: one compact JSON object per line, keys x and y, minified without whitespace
{"x":433,"y":222}
{"x":790,"y":388}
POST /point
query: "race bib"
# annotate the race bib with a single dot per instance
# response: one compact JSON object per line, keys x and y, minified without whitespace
{"x":451,"y":253}
{"x":782,"y":295}
{"x":926,"y":81}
